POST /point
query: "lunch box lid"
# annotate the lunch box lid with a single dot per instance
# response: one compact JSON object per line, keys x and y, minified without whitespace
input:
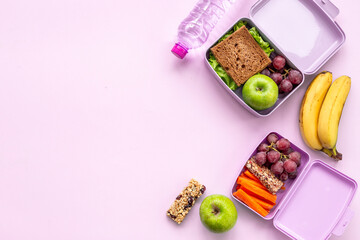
{"x":305,"y":31}
{"x":317,"y":206}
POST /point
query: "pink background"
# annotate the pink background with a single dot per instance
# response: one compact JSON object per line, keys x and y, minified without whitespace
{"x":101,"y":127}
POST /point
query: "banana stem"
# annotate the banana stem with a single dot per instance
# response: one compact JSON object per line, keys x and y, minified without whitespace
{"x":333,"y":153}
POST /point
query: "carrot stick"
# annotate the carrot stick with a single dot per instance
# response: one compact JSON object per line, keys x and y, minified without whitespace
{"x":258,"y":192}
{"x":245,"y":176}
{"x":251,"y":176}
{"x":244,"y":180}
{"x":264,"y":204}
{"x":248,"y":200}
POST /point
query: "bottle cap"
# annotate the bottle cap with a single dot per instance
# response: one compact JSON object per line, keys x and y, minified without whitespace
{"x":179,"y":50}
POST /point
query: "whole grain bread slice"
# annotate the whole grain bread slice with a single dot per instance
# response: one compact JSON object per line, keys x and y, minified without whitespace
{"x":240,"y":56}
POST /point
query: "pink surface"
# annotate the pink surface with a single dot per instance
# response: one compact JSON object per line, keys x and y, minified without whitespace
{"x":101,"y":126}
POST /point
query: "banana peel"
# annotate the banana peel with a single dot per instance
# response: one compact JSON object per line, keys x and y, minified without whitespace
{"x":321,"y":111}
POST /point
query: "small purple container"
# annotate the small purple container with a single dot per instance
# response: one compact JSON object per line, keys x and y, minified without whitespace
{"x":315,"y":204}
{"x":304,"y":32}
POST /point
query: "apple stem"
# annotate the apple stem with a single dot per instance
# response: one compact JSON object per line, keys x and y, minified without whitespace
{"x":216,"y":210}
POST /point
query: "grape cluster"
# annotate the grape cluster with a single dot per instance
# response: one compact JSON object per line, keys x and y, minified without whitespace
{"x":284,"y":76}
{"x":279,"y":157}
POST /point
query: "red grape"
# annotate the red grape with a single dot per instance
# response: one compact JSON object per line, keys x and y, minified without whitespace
{"x":285,"y":86}
{"x":287,"y":151}
{"x":279,"y":62}
{"x":283,"y":144}
{"x":263,"y":147}
{"x":266,"y":72}
{"x":284,"y":176}
{"x":293,"y":175}
{"x":272,"y":138}
{"x":290,"y":166}
{"x":277,"y":168}
{"x":295,"y":76}
{"x":260,"y":158}
{"x":277,"y":77}
{"x":296,"y":157}
{"x":273,"y":156}
{"x":267,"y":165}
{"x":272,"y":55}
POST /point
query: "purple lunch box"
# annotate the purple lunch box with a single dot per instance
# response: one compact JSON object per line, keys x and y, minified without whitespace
{"x":303,"y":31}
{"x":315,"y":204}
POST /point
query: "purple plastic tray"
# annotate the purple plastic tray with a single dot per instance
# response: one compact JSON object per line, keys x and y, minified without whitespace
{"x":315,"y":204}
{"x":288,"y":183}
{"x":304,"y":32}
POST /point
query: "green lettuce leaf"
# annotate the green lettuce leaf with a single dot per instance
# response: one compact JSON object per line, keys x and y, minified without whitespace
{"x":225,"y":36}
{"x":238,"y":25}
{"x":264,"y":45}
{"x":221,"y":72}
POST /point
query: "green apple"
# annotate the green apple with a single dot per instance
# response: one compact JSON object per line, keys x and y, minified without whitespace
{"x":218,"y":213}
{"x":260,"y":92}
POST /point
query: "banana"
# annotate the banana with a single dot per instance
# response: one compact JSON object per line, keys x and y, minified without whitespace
{"x":330,"y":114}
{"x":310,"y":109}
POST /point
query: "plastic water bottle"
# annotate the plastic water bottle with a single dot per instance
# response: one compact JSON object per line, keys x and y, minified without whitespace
{"x":195,"y":28}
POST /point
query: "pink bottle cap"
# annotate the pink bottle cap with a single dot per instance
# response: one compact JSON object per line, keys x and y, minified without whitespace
{"x":179,"y":50}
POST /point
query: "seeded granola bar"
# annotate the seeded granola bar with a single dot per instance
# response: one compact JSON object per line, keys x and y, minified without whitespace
{"x":185,"y":200}
{"x":266,"y":177}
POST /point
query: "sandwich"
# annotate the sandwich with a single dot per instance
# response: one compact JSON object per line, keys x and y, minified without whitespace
{"x":240,"y":55}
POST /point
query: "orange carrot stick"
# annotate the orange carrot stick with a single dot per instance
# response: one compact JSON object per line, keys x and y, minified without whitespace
{"x":251,"y":176}
{"x":258,"y":192}
{"x":248,"y":200}
{"x":245,"y":180}
{"x":264,"y":204}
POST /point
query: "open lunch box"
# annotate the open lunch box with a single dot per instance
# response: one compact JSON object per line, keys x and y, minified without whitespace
{"x":315,"y":204}
{"x":305,"y":34}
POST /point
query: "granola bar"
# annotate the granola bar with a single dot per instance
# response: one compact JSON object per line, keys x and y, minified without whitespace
{"x":266,"y":177}
{"x":185,"y":200}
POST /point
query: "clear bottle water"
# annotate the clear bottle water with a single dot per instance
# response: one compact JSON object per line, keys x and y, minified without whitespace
{"x":195,"y":28}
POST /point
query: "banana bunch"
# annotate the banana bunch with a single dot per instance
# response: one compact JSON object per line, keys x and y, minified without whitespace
{"x":321,"y":110}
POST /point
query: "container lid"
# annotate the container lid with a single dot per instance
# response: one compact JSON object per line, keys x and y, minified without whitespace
{"x":318,"y":205}
{"x":305,"y":31}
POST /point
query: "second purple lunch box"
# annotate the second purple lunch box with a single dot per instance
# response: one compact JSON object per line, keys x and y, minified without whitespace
{"x":304,"y":32}
{"x":315,"y":204}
